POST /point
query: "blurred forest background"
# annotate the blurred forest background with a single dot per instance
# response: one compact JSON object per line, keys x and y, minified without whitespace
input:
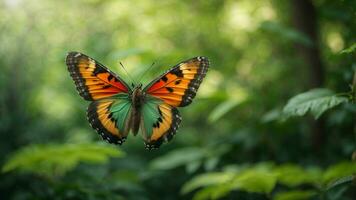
{"x":274,"y":118}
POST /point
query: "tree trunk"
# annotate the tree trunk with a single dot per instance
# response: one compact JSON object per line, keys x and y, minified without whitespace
{"x":305,"y":21}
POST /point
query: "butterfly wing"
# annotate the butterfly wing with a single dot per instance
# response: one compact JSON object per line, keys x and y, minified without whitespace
{"x":159,"y":122}
{"x":109,"y":113}
{"x":110,"y":117}
{"x":92,"y":79}
{"x":179,"y":85}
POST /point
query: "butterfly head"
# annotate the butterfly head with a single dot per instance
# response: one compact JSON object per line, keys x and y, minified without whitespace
{"x":137,"y":90}
{"x":138,"y":86}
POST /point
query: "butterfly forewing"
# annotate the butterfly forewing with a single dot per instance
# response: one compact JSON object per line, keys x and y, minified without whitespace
{"x":179,"y":85}
{"x":92,"y":79}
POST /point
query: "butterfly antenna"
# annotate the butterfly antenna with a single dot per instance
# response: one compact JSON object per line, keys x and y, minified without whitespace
{"x":146,"y":71}
{"x":127,"y":73}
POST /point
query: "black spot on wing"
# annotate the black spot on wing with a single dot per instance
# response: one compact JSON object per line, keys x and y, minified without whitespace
{"x":99,"y":69}
{"x":176,"y":71}
{"x":169,"y":89}
{"x":156,"y":124}
{"x":111,"y":77}
{"x":159,"y":111}
{"x":164,"y":79}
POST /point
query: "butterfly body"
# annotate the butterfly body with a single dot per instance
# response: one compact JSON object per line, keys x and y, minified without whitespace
{"x":117,"y":109}
{"x":138,"y":99}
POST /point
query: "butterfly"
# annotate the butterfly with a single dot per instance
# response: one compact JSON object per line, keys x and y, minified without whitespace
{"x":117,"y":108}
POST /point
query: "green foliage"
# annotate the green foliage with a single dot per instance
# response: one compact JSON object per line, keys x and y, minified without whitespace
{"x":339,"y":171}
{"x":57,"y":159}
{"x":237,"y":97}
{"x":177,"y":158}
{"x":287,"y":33}
{"x":214,"y":178}
{"x":262,"y":178}
{"x":349,"y":50}
{"x":255,"y":181}
{"x":341,"y":181}
{"x":191,"y":158}
{"x":293,"y":175}
{"x":251,"y":179}
{"x":317,"y":101}
{"x":222,"y":109}
{"x":295,"y":195}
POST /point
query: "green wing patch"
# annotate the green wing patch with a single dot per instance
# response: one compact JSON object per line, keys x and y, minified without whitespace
{"x":150,"y":114}
{"x":120,"y":110}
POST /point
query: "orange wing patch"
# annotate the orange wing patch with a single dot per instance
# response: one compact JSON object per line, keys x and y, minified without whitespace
{"x":178,"y":86}
{"x":165,"y":128}
{"x":92,"y":79}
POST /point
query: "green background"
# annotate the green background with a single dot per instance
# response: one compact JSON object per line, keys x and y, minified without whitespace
{"x":235,"y":140}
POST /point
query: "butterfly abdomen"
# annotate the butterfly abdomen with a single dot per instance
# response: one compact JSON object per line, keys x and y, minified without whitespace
{"x":137,"y":99}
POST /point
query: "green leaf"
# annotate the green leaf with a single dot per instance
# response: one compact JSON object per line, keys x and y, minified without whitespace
{"x":222,"y":109}
{"x":293,"y":175}
{"x":57,"y":159}
{"x":348,"y":50}
{"x":211,"y":163}
{"x":340,"y":181}
{"x":253,"y":180}
{"x":218,"y":184}
{"x":236,"y":97}
{"x":317,"y":101}
{"x":177,"y":158}
{"x":193,"y":166}
{"x":214,"y":178}
{"x":205,"y":193}
{"x":295,"y":195}
{"x":338,"y":171}
{"x":272,"y":115}
{"x":213,"y":192}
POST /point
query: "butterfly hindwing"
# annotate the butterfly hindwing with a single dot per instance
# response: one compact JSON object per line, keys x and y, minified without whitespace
{"x":110,"y":117}
{"x":159,"y":122}
{"x":179,"y":85}
{"x":92,"y":79}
